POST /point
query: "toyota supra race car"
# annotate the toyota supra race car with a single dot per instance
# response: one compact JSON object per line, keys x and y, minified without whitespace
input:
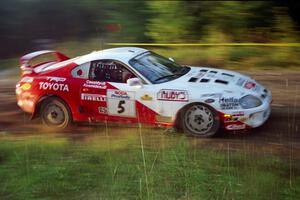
{"x":134,"y":85}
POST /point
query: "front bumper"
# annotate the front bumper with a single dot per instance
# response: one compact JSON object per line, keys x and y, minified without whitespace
{"x":248,"y":118}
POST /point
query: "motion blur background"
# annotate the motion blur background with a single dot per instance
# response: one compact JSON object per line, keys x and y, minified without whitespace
{"x":258,"y":38}
{"x":77,"y":27}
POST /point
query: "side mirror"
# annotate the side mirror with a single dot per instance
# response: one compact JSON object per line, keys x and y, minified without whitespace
{"x":171,"y":59}
{"x":135,"y":82}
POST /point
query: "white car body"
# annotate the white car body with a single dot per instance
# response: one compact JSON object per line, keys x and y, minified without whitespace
{"x":224,"y":88}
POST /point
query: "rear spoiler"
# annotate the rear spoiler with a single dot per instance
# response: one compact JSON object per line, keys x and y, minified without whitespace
{"x":25,"y":60}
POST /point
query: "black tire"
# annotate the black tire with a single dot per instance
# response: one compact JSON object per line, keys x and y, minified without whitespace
{"x":55,"y":114}
{"x":199,"y":120}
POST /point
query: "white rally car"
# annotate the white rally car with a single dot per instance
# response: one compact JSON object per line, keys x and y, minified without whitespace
{"x":134,"y":85}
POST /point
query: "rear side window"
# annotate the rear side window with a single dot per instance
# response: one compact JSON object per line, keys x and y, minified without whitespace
{"x":81,"y":71}
{"x":109,"y":71}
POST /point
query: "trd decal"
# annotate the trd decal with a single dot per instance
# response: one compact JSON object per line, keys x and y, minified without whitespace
{"x":56,"y":79}
{"x":27,"y":79}
{"x":173,"y":95}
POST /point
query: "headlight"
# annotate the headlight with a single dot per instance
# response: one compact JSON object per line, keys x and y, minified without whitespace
{"x":250,"y":101}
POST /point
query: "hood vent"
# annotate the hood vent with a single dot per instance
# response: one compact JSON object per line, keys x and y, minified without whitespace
{"x":193,"y":79}
{"x":221,"y":81}
{"x":204,"y":80}
{"x":225,"y":74}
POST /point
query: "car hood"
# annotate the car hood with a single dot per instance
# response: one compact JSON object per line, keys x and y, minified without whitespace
{"x":205,"y":80}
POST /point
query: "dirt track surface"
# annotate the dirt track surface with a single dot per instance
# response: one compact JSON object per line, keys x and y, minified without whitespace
{"x":279,"y":135}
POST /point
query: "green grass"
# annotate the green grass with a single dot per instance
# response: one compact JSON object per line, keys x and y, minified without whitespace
{"x":125,"y":163}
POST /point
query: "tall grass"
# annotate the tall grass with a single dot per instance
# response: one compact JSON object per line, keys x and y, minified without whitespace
{"x":129,"y":164}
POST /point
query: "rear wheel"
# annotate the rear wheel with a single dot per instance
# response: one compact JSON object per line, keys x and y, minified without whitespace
{"x":55,"y":114}
{"x":200,"y":120}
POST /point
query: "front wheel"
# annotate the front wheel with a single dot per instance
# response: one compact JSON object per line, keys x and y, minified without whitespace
{"x":55,"y":114}
{"x":200,"y":120}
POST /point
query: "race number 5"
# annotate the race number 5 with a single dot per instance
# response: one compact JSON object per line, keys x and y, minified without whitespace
{"x":121,"y":109}
{"x":121,"y":103}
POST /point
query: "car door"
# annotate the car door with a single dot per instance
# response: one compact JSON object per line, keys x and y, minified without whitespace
{"x":109,"y":96}
{"x":129,"y":103}
{"x":92,"y":92}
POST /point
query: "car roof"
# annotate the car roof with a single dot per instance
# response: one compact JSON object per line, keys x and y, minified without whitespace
{"x":123,"y":54}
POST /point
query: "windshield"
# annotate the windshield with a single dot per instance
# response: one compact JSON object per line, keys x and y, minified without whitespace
{"x":156,"y":68}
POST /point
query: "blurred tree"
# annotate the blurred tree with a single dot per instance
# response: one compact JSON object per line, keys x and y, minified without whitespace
{"x":23,"y":22}
{"x":128,"y":19}
{"x":171,"y":22}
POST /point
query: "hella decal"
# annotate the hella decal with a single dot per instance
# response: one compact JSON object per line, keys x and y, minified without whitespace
{"x":173,"y":95}
{"x":229,"y":103}
{"x":54,"y":86}
{"x":93,"y":97}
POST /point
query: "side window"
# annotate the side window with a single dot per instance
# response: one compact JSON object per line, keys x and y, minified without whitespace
{"x":109,"y":71}
{"x":81,"y":71}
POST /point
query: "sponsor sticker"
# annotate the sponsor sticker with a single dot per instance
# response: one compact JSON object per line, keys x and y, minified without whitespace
{"x":54,"y":86}
{"x":93,"y":97}
{"x":173,"y":95}
{"x":146,"y":97}
{"x":27,"y":79}
{"x":102,"y":110}
{"x":243,"y":119}
{"x":249,"y":85}
{"x":26,"y":86}
{"x":121,"y":103}
{"x":229,"y":103}
{"x":209,"y":100}
{"x":119,"y":94}
{"x":238,"y":113}
{"x":236,"y":126}
{"x":55,"y":79}
{"x":95,"y":84}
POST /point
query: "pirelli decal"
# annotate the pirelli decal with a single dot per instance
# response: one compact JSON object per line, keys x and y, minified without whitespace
{"x":93,"y":97}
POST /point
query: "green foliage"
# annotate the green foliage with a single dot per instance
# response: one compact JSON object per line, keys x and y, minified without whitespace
{"x":171,"y":23}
